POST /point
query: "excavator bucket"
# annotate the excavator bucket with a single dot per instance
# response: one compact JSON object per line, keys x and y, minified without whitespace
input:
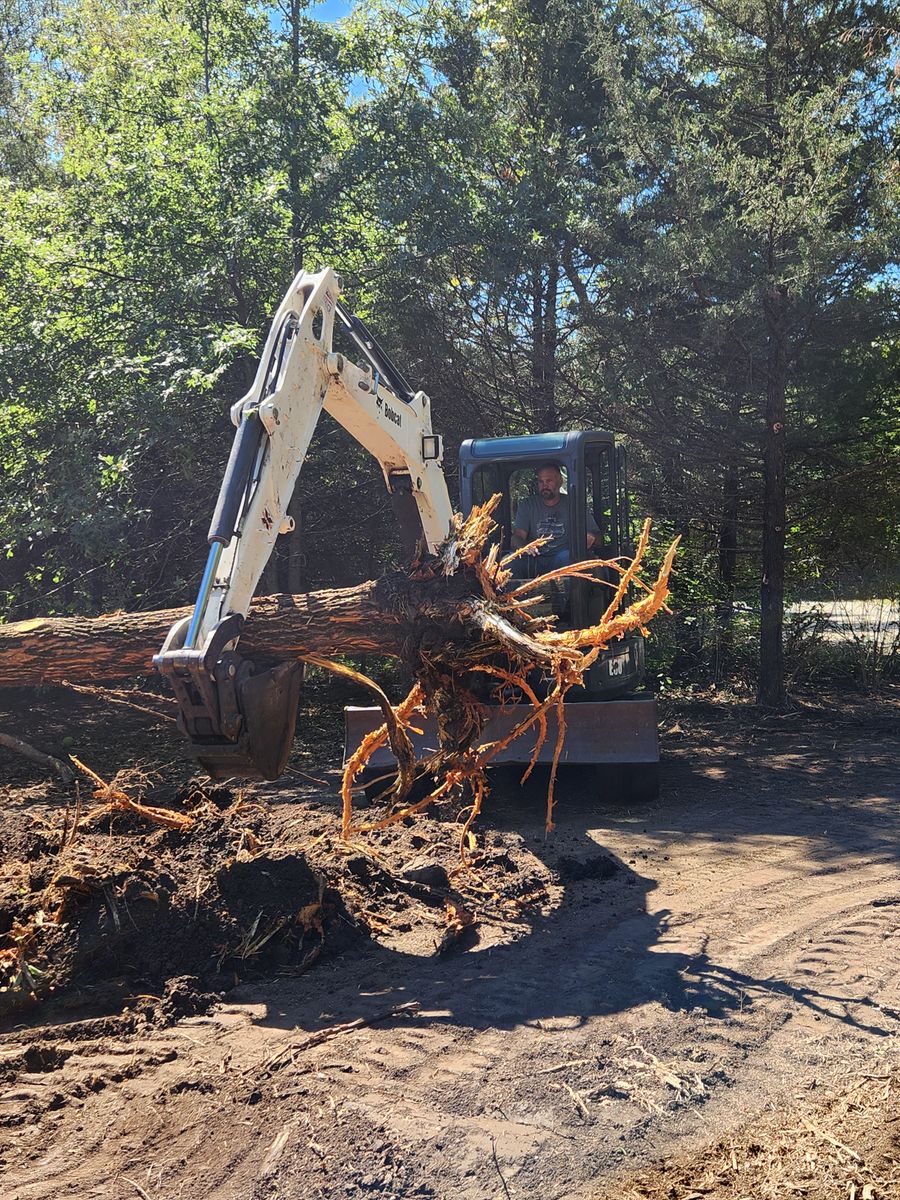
{"x":608,"y":732}
{"x":240,"y":722}
{"x":267,"y":702}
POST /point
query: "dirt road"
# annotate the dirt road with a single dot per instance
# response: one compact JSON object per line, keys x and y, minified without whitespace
{"x":716,"y":961}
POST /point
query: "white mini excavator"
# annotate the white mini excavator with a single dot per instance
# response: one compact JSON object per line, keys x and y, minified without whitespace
{"x":240,"y":716}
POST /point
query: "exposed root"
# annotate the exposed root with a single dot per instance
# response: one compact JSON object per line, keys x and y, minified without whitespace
{"x":451,"y":782}
{"x":113,"y":799}
{"x":393,"y":726}
{"x":396,"y":720}
{"x":480,"y":624}
{"x":516,"y":681}
{"x":56,"y":765}
{"x":499,"y":629}
{"x":125,"y":699}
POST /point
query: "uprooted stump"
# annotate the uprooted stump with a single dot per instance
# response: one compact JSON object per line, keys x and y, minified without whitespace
{"x":478,"y":624}
{"x":451,"y":617}
{"x":206,"y":891}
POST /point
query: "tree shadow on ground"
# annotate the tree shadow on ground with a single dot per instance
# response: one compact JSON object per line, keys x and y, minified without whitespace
{"x":604,"y":950}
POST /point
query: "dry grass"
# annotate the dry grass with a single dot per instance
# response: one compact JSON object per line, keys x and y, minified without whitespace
{"x":842,"y":1143}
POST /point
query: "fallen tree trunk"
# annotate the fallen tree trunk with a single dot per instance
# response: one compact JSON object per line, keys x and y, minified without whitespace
{"x":456,"y":618}
{"x":459,"y":620}
{"x":358,"y":620}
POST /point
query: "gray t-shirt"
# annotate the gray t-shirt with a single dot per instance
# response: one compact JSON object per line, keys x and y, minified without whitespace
{"x":537,"y":519}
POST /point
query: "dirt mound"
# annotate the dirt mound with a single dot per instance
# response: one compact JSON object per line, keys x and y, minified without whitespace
{"x":113,"y":909}
{"x":99,"y":910}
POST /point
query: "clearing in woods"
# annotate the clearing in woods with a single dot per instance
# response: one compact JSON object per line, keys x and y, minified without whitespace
{"x":695,"y":997}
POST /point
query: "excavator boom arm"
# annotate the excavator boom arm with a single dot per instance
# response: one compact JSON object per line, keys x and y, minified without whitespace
{"x":241,"y":720}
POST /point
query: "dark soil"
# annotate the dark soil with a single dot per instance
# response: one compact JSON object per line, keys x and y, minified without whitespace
{"x":115,"y":908}
{"x":104,"y":914}
{"x":695,"y":996}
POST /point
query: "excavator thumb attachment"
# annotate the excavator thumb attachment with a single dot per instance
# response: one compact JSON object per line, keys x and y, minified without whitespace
{"x":240,"y":720}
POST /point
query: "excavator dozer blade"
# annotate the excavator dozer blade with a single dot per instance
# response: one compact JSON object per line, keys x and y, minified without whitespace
{"x":611,"y":732}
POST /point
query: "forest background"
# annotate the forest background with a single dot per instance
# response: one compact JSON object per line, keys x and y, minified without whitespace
{"x":680,"y":221}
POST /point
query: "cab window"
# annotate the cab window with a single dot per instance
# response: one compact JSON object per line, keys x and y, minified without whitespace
{"x":598,"y":480}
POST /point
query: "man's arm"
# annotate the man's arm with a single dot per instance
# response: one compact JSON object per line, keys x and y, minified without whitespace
{"x":518,"y":540}
{"x":593,"y":532}
{"x":521,"y":525}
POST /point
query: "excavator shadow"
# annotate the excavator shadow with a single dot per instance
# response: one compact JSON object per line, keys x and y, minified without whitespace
{"x":602,"y":948}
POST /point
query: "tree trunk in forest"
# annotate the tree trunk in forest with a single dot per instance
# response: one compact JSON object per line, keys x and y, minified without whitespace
{"x":727,"y":569}
{"x":285,"y":570}
{"x":771,"y":643}
{"x":544,"y":337}
{"x":770,"y":691}
{"x":294,"y":172}
{"x":728,"y":541}
{"x":292,"y":563}
{"x":356,"y":620}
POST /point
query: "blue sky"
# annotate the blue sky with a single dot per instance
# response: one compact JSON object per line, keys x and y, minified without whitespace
{"x":331,"y":10}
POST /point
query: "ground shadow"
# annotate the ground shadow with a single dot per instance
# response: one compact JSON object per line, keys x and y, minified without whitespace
{"x":601,"y":951}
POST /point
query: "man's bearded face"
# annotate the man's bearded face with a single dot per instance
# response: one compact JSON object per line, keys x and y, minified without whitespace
{"x":549,"y":483}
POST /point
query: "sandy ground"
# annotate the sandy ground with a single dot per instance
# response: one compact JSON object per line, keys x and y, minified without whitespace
{"x":695,"y":997}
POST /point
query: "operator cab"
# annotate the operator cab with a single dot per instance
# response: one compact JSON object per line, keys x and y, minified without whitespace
{"x":594,"y":477}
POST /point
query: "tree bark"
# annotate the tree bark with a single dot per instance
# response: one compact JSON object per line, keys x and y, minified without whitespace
{"x":771,"y":640}
{"x":771,"y":623}
{"x":369,"y":618}
{"x":294,"y":173}
{"x":544,"y":339}
{"x":728,"y":546}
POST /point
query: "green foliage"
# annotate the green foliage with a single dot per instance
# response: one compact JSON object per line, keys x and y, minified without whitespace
{"x":141,"y":274}
{"x":554,"y":214}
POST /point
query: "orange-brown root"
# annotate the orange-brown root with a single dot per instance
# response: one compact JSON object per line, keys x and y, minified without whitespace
{"x":370,"y":743}
{"x":113,"y":799}
{"x":503,"y":629}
